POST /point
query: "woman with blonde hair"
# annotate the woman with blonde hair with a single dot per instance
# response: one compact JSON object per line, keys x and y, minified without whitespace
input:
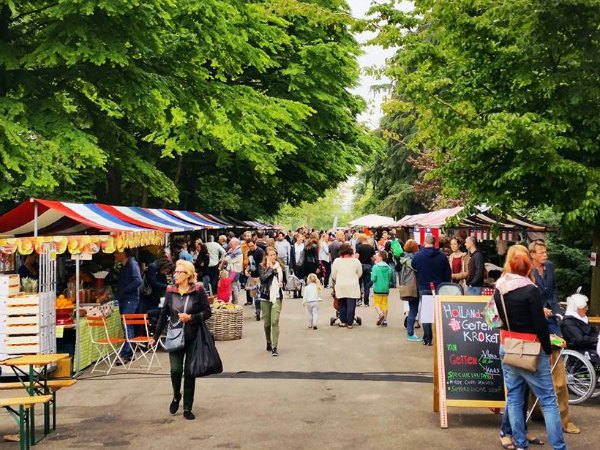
{"x":271,"y":297}
{"x":185,"y":306}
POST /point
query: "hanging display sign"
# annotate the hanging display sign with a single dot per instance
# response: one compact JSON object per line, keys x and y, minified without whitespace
{"x":82,"y":244}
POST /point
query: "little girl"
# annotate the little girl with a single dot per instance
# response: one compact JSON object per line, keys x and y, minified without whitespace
{"x":224,"y":286}
{"x":311,"y":299}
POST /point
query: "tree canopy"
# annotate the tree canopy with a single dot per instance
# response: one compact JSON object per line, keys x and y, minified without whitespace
{"x":506,"y":94}
{"x":217,"y":105}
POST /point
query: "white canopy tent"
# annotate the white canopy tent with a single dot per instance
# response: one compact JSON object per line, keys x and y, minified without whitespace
{"x":372,"y":221}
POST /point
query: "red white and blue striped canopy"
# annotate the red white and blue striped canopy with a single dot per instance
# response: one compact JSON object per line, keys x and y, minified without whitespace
{"x":61,"y":218}
{"x":64,"y":218}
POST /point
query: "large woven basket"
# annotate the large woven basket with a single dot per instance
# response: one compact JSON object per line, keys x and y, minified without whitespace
{"x":226,"y":325}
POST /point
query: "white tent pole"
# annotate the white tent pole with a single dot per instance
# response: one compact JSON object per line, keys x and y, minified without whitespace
{"x":77,"y":317}
{"x":35,"y":218}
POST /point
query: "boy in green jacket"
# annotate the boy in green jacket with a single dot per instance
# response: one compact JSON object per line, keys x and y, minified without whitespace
{"x":381,"y":276}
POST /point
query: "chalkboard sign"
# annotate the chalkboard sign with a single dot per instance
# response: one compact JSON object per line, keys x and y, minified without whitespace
{"x":469,"y":371}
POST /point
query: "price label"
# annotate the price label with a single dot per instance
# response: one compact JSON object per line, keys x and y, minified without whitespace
{"x":60,"y":331}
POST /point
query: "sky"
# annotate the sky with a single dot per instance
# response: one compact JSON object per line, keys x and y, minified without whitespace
{"x":374,"y":56}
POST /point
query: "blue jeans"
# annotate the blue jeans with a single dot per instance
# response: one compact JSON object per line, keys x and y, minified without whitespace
{"x":540,"y":382}
{"x":413,"y":304}
{"x":474,"y":290}
{"x":128,"y":307}
{"x":365,"y":282}
{"x":347,"y":310}
{"x":505,"y":429}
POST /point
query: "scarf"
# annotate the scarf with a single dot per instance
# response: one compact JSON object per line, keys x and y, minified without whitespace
{"x":511,"y":281}
{"x":574,"y":314}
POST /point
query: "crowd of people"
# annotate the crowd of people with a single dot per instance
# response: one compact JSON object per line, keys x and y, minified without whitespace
{"x":362,"y":269}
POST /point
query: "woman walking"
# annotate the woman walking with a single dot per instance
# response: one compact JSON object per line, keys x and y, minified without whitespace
{"x":271,"y":296}
{"x":408,"y":288}
{"x":525,"y":316}
{"x":345,"y":275}
{"x":366,"y":254}
{"x":185,"y":305}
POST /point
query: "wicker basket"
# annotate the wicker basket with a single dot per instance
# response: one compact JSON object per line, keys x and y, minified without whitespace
{"x":226,"y":325}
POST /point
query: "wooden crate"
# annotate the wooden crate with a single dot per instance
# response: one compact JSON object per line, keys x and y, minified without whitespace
{"x":9,"y":285}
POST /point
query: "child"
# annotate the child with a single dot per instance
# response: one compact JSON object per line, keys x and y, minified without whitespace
{"x":311,"y":299}
{"x":381,"y":277}
{"x":224,"y":286}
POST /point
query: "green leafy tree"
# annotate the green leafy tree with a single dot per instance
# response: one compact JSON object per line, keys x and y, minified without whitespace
{"x":507,"y":94}
{"x":224,"y":105}
{"x":319,"y":215}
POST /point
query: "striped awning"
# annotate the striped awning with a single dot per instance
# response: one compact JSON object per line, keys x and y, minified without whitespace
{"x":483,"y":218}
{"x":64,"y":218}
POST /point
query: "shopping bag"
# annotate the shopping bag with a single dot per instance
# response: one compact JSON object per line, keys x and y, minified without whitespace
{"x":293,"y":283}
{"x":491,"y":315}
{"x":205,"y":357}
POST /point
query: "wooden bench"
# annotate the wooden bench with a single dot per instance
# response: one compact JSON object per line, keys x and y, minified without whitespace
{"x":52,"y":385}
{"x":26,"y":428}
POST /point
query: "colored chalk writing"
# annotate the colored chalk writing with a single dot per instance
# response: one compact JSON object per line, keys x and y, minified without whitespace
{"x":471,"y":361}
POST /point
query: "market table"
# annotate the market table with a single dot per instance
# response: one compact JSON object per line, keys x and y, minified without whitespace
{"x":34,"y":381}
{"x":87,"y":355}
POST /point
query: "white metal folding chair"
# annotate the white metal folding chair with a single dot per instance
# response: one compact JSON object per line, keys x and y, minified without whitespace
{"x":107,"y":348}
{"x":140,"y":345}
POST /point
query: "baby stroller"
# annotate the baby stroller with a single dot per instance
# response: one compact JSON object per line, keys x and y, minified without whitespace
{"x":333,"y":320}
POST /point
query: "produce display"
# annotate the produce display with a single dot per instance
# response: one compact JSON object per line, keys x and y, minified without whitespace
{"x":63,"y":302}
{"x":64,"y":310}
{"x":221,"y":305}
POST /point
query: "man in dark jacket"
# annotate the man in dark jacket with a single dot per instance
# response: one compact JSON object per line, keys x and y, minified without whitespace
{"x":431,"y":266}
{"x":476,"y":268}
{"x":543,"y":273}
{"x":255,"y":257}
{"x":128,"y":292}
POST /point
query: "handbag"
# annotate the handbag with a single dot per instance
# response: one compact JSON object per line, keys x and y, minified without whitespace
{"x":408,"y":291}
{"x":520,"y":353}
{"x":175,"y":339}
{"x":205,"y":357}
{"x":146,"y":288}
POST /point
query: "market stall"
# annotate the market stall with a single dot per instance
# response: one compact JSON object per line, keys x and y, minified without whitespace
{"x":483,"y":224}
{"x":53,"y":230}
{"x":372,"y":221}
{"x":79,"y":235}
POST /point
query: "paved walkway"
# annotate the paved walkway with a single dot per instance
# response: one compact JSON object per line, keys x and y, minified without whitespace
{"x":333,"y":388}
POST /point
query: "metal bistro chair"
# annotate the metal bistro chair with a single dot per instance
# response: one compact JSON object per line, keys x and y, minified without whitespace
{"x":108,"y":348}
{"x":140,"y":345}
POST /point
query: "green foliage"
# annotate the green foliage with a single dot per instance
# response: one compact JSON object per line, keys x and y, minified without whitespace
{"x":319,"y":215}
{"x":507,"y":93}
{"x":391,"y":175}
{"x":223,"y":105}
{"x":569,"y":250}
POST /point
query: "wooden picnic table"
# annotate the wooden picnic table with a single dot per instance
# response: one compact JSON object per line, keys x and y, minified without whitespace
{"x":35,"y":381}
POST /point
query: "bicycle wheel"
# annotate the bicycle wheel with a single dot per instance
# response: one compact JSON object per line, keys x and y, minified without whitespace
{"x":581,"y":376}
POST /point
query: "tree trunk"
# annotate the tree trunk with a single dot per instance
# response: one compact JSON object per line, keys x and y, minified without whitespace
{"x":144,"y":203}
{"x":595,"y":294}
{"x":114,"y":178}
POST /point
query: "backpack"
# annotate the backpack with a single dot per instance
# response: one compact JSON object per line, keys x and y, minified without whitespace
{"x":146,"y":288}
{"x":396,"y":248}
